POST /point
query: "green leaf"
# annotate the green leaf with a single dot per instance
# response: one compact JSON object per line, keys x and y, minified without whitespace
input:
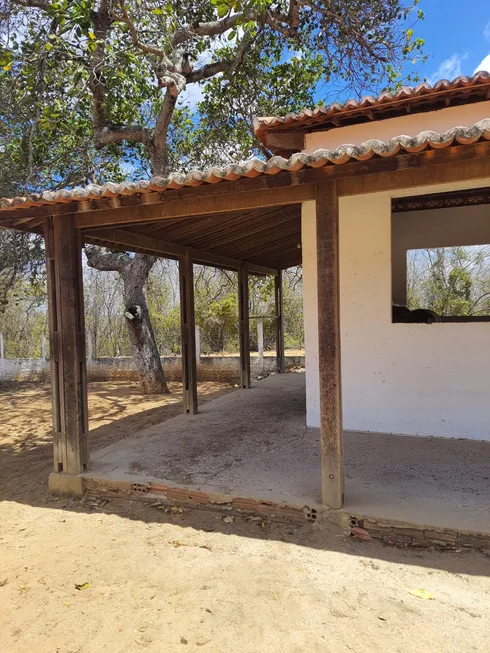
{"x":92,"y":36}
{"x":222,"y":10}
{"x":48,"y":46}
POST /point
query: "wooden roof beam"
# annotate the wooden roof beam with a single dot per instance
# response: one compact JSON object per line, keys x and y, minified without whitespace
{"x":129,"y":240}
{"x":189,"y":207}
{"x":274,"y":190}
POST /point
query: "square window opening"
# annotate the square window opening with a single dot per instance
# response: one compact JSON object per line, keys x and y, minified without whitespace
{"x":440,"y":258}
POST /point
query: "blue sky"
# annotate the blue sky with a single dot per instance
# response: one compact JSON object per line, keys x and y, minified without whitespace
{"x":457,"y":42}
{"x":457,"y":37}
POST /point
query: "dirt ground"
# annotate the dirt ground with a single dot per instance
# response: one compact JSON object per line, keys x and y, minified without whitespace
{"x":117,"y":410}
{"x":122,"y":577}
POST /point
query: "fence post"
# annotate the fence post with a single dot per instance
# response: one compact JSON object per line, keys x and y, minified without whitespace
{"x":90,"y":346}
{"x":2,"y":347}
{"x":198,"y":343}
{"x":43,"y":347}
{"x":260,"y":341}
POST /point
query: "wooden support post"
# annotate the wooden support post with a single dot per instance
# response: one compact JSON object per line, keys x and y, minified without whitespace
{"x":331,"y":436}
{"x":244,"y":326}
{"x":67,"y":344}
{"x":279,"y":323}
{"x":43,"y":347}
{"x":188,"y":329}
{"x":2,"y":346}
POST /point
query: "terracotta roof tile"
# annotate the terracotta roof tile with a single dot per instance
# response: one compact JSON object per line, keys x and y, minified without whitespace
{"x":407,"y":94}
{"x":255,"y":167}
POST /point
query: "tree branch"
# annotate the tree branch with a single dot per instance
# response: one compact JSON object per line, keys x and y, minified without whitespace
{"x":99,"y":259}
{"x":103,"y":135}
{"x":212,"y":28}
{"x":39,"y":4}
{"x":158,"y":147}
{"x":149,"y":49}
{"x":102,"y":24}
{"x":209,"y":70}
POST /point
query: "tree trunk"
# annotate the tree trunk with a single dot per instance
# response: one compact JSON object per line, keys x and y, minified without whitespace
{"x":134,"y":272}
{"x":145,"y":352}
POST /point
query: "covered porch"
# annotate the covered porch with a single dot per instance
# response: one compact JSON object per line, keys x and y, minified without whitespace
{"x":252,"y":446}
{"x":329,"y":210}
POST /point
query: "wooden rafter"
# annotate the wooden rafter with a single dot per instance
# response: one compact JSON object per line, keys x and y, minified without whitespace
{"x":138,"y":242}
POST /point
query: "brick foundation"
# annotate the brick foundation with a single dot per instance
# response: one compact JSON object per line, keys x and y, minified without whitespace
{"x":390,"y":533}
{"x":404,"y":536}
{"x":170,"y":495}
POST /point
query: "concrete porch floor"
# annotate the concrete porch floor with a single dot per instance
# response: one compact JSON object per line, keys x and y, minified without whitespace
{"x":253,"y":443}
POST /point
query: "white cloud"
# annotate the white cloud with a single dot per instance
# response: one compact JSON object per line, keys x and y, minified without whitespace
{"x":449,"y":68}
{"x":486,"y":31}
{"x":484,"y":65}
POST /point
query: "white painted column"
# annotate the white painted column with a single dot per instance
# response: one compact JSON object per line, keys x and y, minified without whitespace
{"x":310,"y":312}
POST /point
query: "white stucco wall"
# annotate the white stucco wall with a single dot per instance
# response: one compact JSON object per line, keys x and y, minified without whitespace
{"x":410,"y":125}
{"x":413,"y":379}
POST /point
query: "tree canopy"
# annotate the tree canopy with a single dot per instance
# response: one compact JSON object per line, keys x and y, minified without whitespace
{"x":97,"y":88}
{"x":92,"y":90}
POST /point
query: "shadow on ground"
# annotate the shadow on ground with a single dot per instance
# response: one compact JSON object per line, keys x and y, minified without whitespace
{"x":26,"y":461}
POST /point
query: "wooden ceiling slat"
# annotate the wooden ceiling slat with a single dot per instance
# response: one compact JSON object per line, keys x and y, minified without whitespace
{"x":250,"y":232}
{"x":265,"y":235}
{"x":257,"y":249}
{"x":214,"y":225}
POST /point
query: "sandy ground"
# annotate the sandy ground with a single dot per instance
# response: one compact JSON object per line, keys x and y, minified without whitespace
{"x":187,"y":581}
{"x":117,"y":410}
